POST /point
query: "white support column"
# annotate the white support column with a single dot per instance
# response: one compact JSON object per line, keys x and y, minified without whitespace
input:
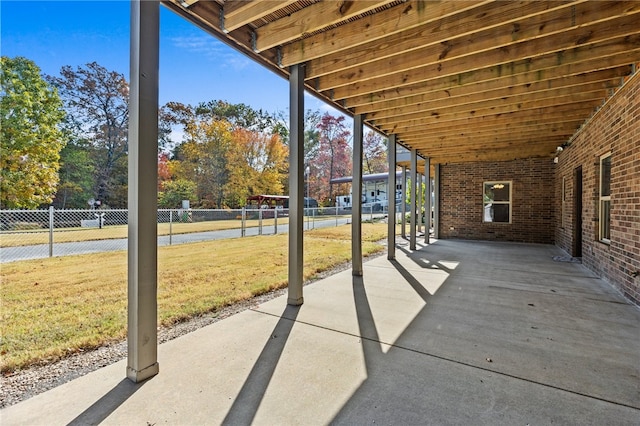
{"x":296,"y":184}
{"x":403,"y":207}
{"x":427,"y":199}
{"x":391,"y":197}
{"x":436,"y":201}
{"x":356,"y":199}
{"x":412,"y":195}
{"x":142,"y":336}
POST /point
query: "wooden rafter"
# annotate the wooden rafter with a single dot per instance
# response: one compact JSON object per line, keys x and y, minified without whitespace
{"x":497,"y":65}
{"x":432,"y":66}
{"x":469,"y":80}
{"x":506,"y":17}
{"x":313,"y":18}
{"x":405,"y":16}
{"x":242,"y":12}
{"x":496,"y":89}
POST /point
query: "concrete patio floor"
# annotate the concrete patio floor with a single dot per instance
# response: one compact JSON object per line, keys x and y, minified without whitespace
{"x":458,"y":332}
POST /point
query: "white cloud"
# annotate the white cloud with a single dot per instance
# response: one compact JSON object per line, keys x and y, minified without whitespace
{"x":212,"y":49}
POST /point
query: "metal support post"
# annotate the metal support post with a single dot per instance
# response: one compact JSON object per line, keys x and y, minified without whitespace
{"x":412,"y":196}
{"x":403,"y":203}
{"x":243,"y":222}
{"x":427,"y":199}
{"x":296,"y":184}
{"x":356,"y":189}
{"x":50,"y":231}
{"x":391,"y":197}
{"x":142,"y":335}
{"x":170,"y":227}
{"x":419,"y":202}
{"x":436,"y":201}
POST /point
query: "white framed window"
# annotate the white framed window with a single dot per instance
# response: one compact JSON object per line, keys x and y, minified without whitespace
{"x":605,"y":198}
{"x":496,"y":202}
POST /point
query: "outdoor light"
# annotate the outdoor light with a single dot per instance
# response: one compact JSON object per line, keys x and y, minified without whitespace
{"x":559,"y":149}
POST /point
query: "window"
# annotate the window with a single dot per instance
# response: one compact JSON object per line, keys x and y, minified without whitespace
{"x":605,"y":198}
{"x":497,"y":202}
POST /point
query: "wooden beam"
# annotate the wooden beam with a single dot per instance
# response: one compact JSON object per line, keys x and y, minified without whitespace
{"x":392,"y":21}
{"x":541,"y":114}
{"x":504,"y":126}
{"x":494,"y":98}
{"x":492,"y":107}
{"x":620,"y":62}
{"x":472,"y":57}
{"x":499,"y":88}
{"x":482,"y":18}
{"x":465,"y":71}
{"x":311,"y":19}
{"x":495,"y":156}
{"x":591,"y":99}
{"x":446,"y":136}
{"x":242,"y":12}
{"x":434,"y":144}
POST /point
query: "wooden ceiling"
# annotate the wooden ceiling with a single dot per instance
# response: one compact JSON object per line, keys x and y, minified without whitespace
{"x":457,"y":80}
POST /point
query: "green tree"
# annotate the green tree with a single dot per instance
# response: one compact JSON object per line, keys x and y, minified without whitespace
{"x":76,"y":176}
{"x":256,"y":164}
{"x":97,"y":102}
{"x":174,"y":191}
{"x":203,"y":160}
{"x":30,"y":136}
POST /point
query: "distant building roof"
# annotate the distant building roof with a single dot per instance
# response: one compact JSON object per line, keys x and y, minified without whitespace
{"x":366,"y":178}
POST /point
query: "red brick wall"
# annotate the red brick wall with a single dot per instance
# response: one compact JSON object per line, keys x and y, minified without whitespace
{"x":614,"y":128}
{"x":461,"y":207}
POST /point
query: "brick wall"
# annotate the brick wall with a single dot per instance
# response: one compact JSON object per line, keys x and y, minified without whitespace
{"x":614,"y":128}
{"x":461,"y":202}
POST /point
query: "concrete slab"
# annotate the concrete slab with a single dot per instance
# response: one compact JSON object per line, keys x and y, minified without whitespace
{"x":457,"y":332}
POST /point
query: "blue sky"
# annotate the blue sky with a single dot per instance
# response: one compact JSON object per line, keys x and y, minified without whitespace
{"x":194,"y":66}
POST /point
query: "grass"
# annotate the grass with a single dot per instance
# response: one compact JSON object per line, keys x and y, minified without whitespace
{"x":57,"y":306}
{"x":112,"y":232}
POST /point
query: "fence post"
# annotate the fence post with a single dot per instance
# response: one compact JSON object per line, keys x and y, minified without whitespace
{"x":371,"y":212}
{"x":50,"y":231}
{"x":275,"y":221}
{"x":336,"y":215}
{"x":260,"y":222}
{"x":170,"y":226}
{"x":243,"y":220}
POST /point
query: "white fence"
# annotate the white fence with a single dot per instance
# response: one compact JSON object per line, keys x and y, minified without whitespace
{"x":31,"y":234}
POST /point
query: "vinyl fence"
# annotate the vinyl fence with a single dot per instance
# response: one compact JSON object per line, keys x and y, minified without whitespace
{"x":31,"y":234}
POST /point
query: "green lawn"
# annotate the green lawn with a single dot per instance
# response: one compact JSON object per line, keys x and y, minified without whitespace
{"x":57,"y":306}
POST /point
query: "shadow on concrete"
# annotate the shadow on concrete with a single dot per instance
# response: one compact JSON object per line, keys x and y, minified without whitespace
{"x":106,"y":405}
{"x":469,"y":355}
{"x":246,"y":404}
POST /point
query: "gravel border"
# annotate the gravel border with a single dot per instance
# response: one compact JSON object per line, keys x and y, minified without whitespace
{"x":24,"y":384}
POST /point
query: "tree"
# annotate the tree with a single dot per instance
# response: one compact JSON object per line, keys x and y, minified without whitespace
{"x":257,"y":165}
{"x":238,"y":115}
{"x":76,"y":176}
{"x":30,"y":137}
{"x":96,"y":101}
{"x":333,"y":158}
{"x":173,"y":192}
{"x":202,"y":159}
{"x":374,"y":150}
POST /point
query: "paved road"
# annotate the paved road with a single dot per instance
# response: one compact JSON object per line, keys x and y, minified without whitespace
{"x":13,"y":254}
